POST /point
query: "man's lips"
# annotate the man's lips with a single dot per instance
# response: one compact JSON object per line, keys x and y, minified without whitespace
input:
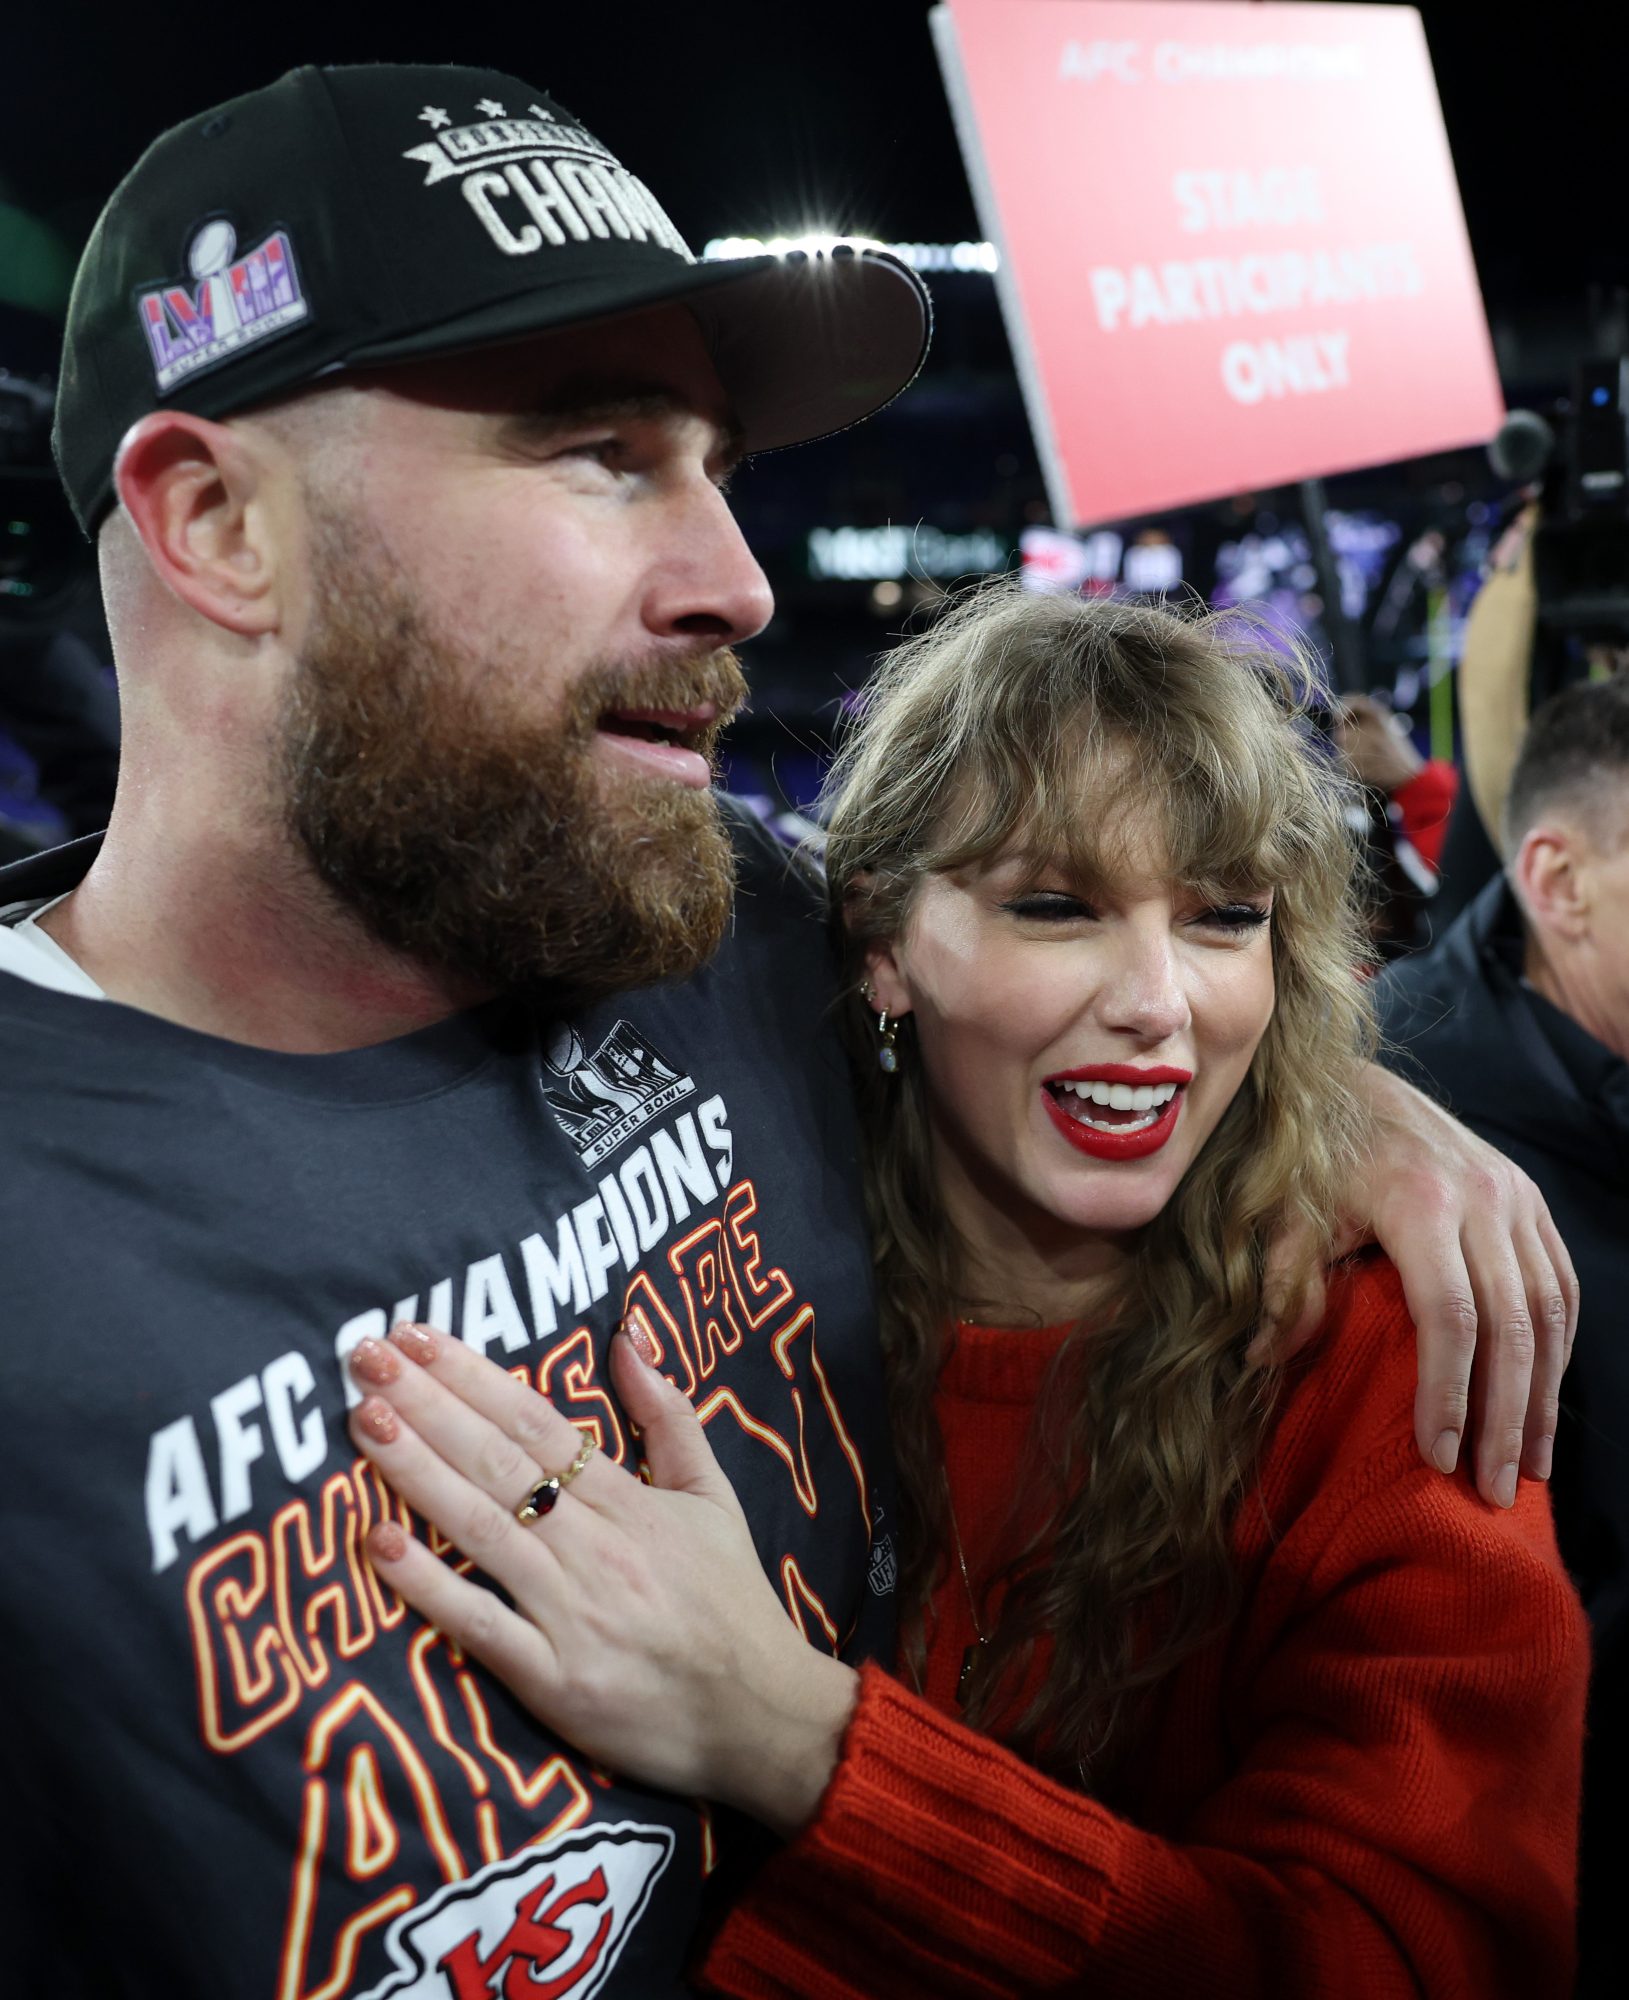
{"x":1143,"y":1104}
{"x":659,"y":741}
{"x":680,"y":721}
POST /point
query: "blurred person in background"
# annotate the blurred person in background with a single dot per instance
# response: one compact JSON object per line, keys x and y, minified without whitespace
{"x":1380,"y":754}
{"x":58,"y":704}
{"x":1492,"y":684}
{"x":1207,"y":1683}
{"x":1513,"y":656}
{"x":1518,"y":1020}
{"x":1399,"y":815}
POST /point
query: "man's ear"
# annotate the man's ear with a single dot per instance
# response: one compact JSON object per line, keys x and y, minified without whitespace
{"x":1551,"y":877}
{"x":191,"y":489}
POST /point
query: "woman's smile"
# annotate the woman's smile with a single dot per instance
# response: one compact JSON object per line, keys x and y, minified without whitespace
{"x":1080,"y":1043}
{"x":1116,"y":1111}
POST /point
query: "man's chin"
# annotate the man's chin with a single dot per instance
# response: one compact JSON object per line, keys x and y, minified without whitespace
{"x":594,"y":905}
{"x":507,"y":854}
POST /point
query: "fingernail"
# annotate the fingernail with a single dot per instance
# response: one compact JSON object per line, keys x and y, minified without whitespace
{"x":1504,"y":1487}
{"x":1540,"y":1457}
{"x":387,"y":1543}
{"x":377,"y":1418}
{"x":1445,"y":1452}
{"x":638,"y":1337}
{"x":418,"y":1343}
{"x":374,"y":1362}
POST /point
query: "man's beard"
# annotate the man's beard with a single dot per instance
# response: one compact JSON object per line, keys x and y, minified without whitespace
{"x":490,"y":845}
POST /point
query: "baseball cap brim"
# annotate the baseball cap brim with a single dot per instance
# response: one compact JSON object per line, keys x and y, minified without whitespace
{"x":804,"y":346}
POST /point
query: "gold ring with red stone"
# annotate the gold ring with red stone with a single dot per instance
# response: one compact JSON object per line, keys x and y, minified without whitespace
{"x":546,"y":1493}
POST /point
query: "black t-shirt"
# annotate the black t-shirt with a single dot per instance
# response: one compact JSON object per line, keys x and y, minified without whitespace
{"x":235,"y":1764}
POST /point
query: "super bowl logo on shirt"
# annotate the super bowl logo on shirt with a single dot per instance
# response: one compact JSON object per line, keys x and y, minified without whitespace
{"x":538,"y":180}
{"x":603,"y":1098}
{"x":235,"y":302}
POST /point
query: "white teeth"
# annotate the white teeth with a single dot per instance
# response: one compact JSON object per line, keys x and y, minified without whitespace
{"x":1134,"y":1125}
{"x":1123,"y":1096}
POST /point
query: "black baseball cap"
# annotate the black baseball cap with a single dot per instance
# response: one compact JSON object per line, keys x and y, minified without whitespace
{"x":342,"y":218}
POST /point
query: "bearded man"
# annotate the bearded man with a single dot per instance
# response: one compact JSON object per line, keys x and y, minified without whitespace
{"x":404,"y":985}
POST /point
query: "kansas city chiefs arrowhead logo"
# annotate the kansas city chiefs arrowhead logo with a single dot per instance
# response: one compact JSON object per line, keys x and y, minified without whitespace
{"x":549,"y":1922}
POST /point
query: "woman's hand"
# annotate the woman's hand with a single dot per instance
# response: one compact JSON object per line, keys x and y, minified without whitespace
{"x":1488,"y":1280}
{"x":644,"y":1630}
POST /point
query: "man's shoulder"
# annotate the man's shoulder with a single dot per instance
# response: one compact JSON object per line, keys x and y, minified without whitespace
{"x":1439,"y":1011}
{"x":1416,"y":984}
{"x":35,"y":1014}
{"x":771,"y":851}
{"x":780,"y":892}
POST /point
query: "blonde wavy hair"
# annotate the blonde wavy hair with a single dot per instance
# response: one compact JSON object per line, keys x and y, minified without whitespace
{"x":1043,"y":726}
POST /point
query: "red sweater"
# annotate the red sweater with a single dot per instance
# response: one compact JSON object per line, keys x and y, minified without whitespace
{"x":1367,"y":1787}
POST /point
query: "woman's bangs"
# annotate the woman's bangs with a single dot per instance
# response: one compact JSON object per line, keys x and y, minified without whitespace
{"x":1100,"y":813}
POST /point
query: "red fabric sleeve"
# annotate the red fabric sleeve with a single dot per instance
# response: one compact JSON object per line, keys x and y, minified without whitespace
{"x":1425,"y":803}
{"x":1399,"y":1817}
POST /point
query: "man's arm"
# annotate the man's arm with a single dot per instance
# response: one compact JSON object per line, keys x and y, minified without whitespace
{"x":1495,"y":667}
{"x":1490,"y":1287}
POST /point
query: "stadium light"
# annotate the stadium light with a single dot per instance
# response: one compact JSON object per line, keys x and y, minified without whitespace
{"x":939,"y":257}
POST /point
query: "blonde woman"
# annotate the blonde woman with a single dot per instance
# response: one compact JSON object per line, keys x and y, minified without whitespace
{"x":1208,"y":1683}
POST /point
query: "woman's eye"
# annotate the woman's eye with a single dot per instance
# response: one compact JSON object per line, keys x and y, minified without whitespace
{"x":1048,"y":906}
{"x":1235,"y":916}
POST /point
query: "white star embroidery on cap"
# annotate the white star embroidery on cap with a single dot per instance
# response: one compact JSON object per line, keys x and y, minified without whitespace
{"x":491,"y":107}
{"x":538,"y":111}
{"x":432,"y":117}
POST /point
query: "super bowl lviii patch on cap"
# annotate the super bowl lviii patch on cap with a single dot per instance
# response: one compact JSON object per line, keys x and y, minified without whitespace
{"x":344,"y":219}
{"x":232,"y":302}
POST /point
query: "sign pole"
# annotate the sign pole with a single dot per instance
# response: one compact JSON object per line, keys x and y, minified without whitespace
{"x":1345,"y":651}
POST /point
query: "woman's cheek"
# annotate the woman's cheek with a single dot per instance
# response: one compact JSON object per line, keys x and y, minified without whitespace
{"x":1234,"y":1007}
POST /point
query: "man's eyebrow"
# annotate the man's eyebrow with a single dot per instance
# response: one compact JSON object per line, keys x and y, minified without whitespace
{"x":575,"y":404}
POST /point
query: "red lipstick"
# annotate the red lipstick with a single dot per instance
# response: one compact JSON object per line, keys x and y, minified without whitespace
{"x":1101,"y":1145}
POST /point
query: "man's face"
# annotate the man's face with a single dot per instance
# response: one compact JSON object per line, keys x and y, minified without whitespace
{"x":524,"y":585}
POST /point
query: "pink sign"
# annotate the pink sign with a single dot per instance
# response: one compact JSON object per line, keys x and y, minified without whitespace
{"x":1232,"y":248}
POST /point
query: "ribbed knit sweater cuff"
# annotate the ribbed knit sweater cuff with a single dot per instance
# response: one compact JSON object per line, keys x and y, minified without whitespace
{"x":905,"y":1774}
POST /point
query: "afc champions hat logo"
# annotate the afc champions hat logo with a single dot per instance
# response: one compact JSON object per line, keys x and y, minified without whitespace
{"x":539,"y":181}
{"x":232,"y":304}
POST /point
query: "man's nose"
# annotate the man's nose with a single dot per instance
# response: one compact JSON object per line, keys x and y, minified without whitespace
{"x":1143,"y":994}
{"x":707,"y":584}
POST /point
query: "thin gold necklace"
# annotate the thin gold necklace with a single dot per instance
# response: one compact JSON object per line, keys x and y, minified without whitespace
{"x":964,"y":1679}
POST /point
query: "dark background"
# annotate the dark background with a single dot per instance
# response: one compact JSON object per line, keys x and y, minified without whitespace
{"x":760,"y":117}
{"x":747,"y":114}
